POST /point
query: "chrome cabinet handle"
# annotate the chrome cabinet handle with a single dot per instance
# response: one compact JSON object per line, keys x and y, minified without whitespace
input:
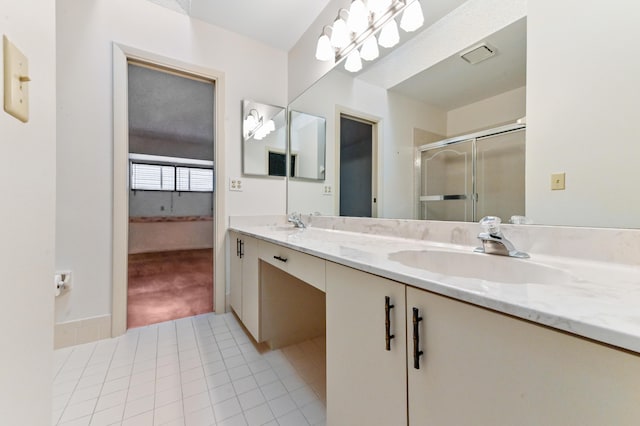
{"x":280,"y":258}
{"x":387,"y":322}
{"x":416,"y":339}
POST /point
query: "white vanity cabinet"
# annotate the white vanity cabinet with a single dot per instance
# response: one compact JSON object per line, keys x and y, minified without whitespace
{"x":477,"y":367}
{"x":245,"y":289}
{"x":366,"y":383}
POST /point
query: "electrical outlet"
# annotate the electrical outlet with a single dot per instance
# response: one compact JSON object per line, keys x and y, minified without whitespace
{"x":557,"y":181}
{"x":235,"y":184}
{"x":326,"y":190}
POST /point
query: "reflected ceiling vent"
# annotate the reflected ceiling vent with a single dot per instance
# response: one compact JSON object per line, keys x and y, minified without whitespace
{"x":478,"y":53}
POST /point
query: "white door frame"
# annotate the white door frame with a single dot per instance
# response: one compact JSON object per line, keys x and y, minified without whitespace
{"x":120,"y":237}
{"x":376,"y":134}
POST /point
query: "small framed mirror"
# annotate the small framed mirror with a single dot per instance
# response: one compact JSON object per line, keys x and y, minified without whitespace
{"x":264,"y":139}
{"x":307,"y":146}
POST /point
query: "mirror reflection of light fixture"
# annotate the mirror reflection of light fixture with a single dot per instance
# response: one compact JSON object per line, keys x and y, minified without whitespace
{"x":353,"y":64}
{"x":370,"y":50}
{"x":324,"y":50}
{"x":412,"y":17}
{"x":255,"y":126}
{"x":389,"y":35}
{"x":357,"y":27}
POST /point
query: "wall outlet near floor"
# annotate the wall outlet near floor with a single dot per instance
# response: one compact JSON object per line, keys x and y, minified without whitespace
{"x":235,"y":184}
{"x":326,"y":190}
{"x":62,"y":281}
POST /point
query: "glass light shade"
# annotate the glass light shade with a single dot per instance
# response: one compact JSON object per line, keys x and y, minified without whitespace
{"x":271,"y":126}
{"x":370,"y":50}
{"x":353,"y":62}
{"x":324,"y":50}
{"x":412,"y":17}
{"x":358,"y":17}
{"x":340,"y":34}
{"x":389,"y":36}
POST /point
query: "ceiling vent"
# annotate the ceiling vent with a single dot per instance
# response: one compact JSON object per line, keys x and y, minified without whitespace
{"x":478,"y":53}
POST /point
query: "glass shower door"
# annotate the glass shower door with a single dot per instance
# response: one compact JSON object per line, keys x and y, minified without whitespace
{"x":447,"y":182}
{"x":500,"y":175}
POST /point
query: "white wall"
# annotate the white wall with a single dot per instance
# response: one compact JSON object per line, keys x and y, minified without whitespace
{"x":397,"y":117}
{"x":27,"y":222}
{"x":504,"y":108}
{"x":582,"y":112}
{"x":86,"y":30}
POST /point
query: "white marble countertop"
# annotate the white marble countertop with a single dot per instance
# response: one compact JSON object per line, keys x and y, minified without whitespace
{"x":597,"y":300}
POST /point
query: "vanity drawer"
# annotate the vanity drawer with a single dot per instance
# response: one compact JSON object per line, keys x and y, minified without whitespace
{"x":305,"y":267}
{"x":274,"y":254}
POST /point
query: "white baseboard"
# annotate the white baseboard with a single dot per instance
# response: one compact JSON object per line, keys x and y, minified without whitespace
{"x":81,"y":331}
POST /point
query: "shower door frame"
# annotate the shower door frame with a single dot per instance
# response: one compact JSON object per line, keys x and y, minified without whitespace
{"x":468,"y":138}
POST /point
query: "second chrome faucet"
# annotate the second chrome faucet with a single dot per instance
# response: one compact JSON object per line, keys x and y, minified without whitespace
{"x":494,"y":242}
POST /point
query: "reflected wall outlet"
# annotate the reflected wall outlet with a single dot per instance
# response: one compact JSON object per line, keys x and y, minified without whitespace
{"x":235,"y":184}
{"x":326,"y":190}
{"x":557,"y":181}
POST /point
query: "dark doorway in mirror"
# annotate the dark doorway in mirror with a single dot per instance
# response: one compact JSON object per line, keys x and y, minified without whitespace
{"x":357,"y":171}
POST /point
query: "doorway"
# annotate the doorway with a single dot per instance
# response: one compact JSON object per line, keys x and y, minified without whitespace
{"x":357,"y":167}
{"x":171,"y":202}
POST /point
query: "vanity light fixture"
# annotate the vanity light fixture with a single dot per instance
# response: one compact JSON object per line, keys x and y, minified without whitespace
{"x":255,"y":127}
{"x":358,"y":26}
{"x":353,"y":63}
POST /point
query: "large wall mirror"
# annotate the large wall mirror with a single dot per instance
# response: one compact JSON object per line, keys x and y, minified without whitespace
{"x":397,"y":107}
{"x":264,"y":139}
{"x":573,"y":115}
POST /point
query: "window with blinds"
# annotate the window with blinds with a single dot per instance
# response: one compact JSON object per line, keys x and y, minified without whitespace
{"x":156,"y":177}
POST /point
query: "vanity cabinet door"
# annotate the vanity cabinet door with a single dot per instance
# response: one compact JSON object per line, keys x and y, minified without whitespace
{"x":250,"y":287}
{"x":366,"y":384}
{"x":484,"y":368}
{"x":244,"y":295}
{"x":235,"y":261}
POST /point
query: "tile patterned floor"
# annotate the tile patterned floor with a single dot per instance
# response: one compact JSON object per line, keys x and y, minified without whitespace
{"x":200,"y":370}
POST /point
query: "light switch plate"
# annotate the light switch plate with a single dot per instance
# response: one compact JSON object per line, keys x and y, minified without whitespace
{"x":557,"y":181}
{"x":16,"y":81}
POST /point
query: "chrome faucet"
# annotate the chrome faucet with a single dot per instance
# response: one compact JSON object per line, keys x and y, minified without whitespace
{"x":493,"y":242}
{"x":296,"y":219}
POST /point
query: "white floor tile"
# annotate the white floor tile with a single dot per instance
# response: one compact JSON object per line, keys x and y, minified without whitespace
{"x":227,"y":409}
{"x":139,"y":406}
{"x":245,"y":384}
{"x":168,"y":396}
{"x":144,"y":419}
{"x":167,"y":413}
{"x":194,"y":371}
{"x":314,"y":412}
{"x":79,"y":410}
{"x":222,"y":393}
{"x":202,"y":417}
{"x":108,"y":417}
{"x":237,"y":420}
{"x":251,"y":399}
{"x":282,"y":405}
{"x":294,"y":418}
{"x":196,"y":402}
{"x":273,"y":390}
{"x":259,"y":415}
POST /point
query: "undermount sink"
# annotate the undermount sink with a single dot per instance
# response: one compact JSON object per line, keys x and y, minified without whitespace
{"x":480,"y":266}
